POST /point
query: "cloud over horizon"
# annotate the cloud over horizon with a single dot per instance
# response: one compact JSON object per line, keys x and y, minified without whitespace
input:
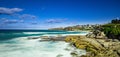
{"x":55,"y":20}
{"x":27,"y":16}
{"x":12,"y":18}
{"x":9,"y":11}
{"x":10,"y":21}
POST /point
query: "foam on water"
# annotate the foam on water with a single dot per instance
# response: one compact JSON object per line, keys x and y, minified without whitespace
{"x":64,"y":34}
{"x":21,"y":46}
{"x":33,"y":48}
{"x":33,"y":32}
{"x":41,"y":32}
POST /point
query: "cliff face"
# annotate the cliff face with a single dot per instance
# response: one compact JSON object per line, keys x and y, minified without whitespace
{"x":95,"y":47}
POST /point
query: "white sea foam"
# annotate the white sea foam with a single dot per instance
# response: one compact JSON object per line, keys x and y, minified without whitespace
{"x":73,"y":34}
{"x":33,"y":32}
{"x":22,"y":47}
{"x":33,"y":48}
{"x":64,"y":34}
{"x":41,"y":32}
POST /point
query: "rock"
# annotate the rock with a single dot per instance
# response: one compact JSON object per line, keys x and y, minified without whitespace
{"x":96,"y":34}
{"x":33,"y":38}
{"x":44,"y":40}
{"x":118,"y":51}
{"x":67,"y":49}
{"x":82,"y":36}
{"x":60,"y":55}
{"x":95,"y":47}
{"x":44,"y":37}
{"x":102,"y":34}
{"x":108,"y":40}
{"x":90,"y":35}
{"x":74,"y":54}
{"x":59,"y":35}
{"x":84,"y":42}
{"x":100,"y":37}
{"x":106,"y":44}
{"x":115,"y":40}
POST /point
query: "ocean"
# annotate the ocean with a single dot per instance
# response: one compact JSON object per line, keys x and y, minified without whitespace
{"x":15,"y":43}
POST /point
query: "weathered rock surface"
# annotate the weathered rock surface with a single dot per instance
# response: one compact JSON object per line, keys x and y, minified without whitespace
{"x":96,"y":34}
{"x":33,"y":38}
{"x":95,"y":47}
{"x":59,"y":38}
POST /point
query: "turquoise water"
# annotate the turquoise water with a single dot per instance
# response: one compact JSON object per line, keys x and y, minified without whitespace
{"x":14,"y":43}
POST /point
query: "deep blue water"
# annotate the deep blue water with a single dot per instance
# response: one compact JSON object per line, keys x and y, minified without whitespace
{"x":9,"y":34}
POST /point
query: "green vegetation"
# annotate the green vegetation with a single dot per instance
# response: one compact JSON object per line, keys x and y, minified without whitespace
{"x":115,"y":21}
{"x":112,"y":30}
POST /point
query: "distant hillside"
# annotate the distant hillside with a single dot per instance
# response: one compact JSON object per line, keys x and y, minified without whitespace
{"x":112,"y":29}
{"x":77,"y":27}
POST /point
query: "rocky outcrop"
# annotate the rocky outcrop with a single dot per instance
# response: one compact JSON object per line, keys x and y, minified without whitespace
{"x":95,"y":47}
{"x":33,"y":38}
{"x":96,"y":34}
{"x":58,"y":38}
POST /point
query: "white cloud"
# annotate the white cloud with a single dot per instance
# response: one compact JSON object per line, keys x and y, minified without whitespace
{"x":34,"y":23}
{"x":27,"y":16}
{"x":4,"y":10}
{"x":1,"y":19}
{"x":55,"y":20}
{"x":10,"y":21}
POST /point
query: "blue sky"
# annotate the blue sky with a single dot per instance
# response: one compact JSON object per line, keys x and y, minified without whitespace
{"x":43,"y":14}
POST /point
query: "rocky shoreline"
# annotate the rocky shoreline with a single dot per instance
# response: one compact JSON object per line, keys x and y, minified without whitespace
{"x":49,"y":38}
{"x":96,"y":45}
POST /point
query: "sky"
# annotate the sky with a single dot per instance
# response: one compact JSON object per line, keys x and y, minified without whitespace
{"x":44,"y":14}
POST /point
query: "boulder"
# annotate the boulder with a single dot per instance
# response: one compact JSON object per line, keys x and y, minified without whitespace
{"x":96,"y":34}
{"x":44,"y":37}
{"x":60,"y":55}
{"x":90,"y":35}
{"x":118,"y":51}
{"x":33,"y":38}
{"x":115,"y":40}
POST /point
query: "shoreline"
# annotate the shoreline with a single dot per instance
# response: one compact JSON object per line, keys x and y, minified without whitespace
{"x":95,"y":47}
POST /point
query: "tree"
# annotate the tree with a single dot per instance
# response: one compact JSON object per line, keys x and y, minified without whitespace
{"x":115,"y":21}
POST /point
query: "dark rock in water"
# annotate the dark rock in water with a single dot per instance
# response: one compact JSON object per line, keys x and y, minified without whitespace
{"x":67,"y":49}
{"x":33,"y":37}
{"x":74,"y":54}
{"x":60,"y":55}
{"x":44,"y":40}
{"x":53,"y":39}
{"x":44,"y":37}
